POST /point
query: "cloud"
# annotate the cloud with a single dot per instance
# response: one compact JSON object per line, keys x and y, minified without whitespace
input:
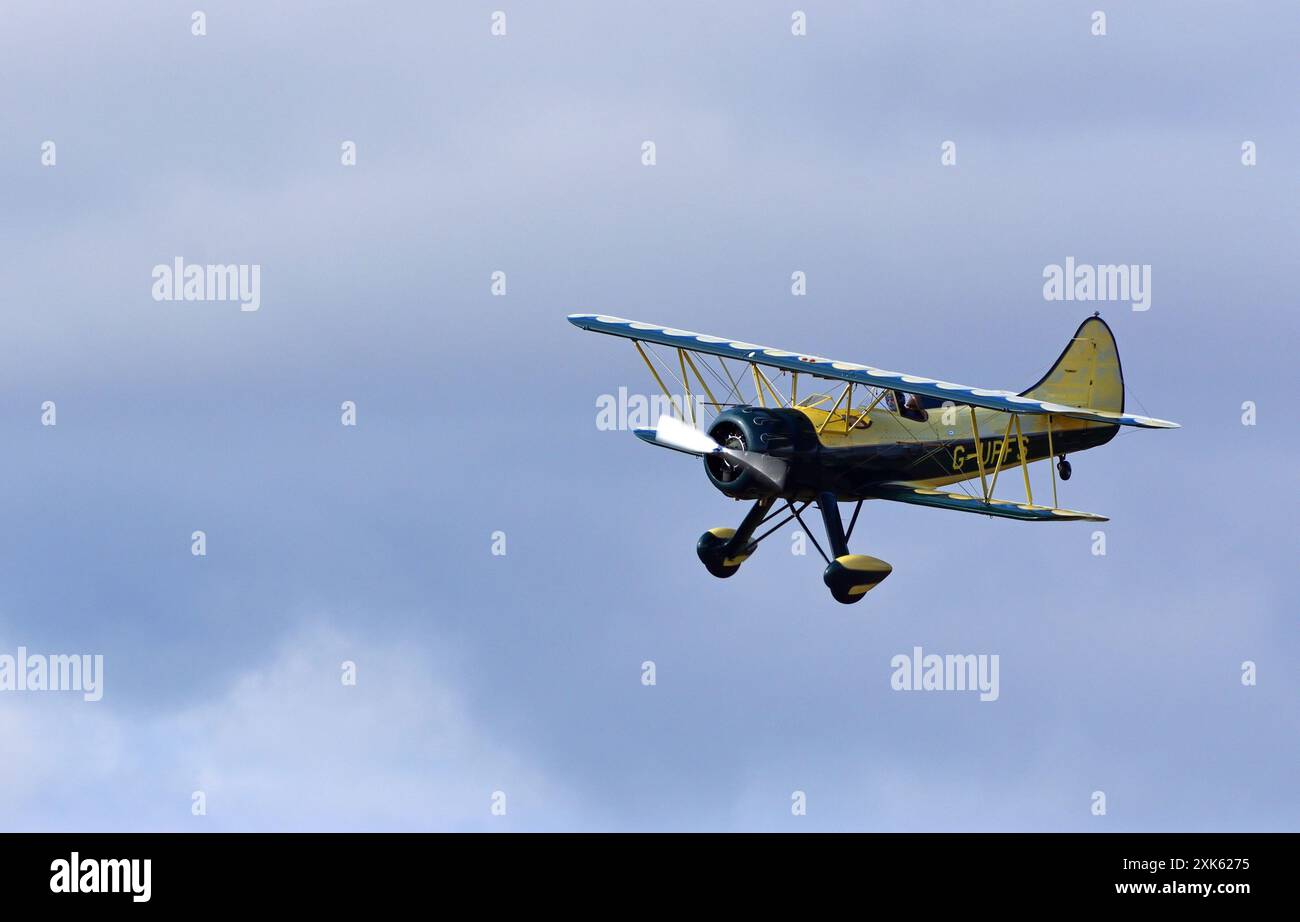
{"x":285,"y":747}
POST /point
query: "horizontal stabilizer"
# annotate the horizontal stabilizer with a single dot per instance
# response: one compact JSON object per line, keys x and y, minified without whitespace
{"x":1005,"y":508}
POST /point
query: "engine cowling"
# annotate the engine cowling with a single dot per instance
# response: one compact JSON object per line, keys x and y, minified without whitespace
{"x":779,"y":432}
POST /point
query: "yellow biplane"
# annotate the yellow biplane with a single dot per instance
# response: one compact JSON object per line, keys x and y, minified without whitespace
{"x":907,"y":438}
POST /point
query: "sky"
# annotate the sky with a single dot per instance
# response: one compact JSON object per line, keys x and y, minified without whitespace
{"x":522,"y":673}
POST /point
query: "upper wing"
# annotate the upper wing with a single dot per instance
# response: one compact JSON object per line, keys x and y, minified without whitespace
{"x":1005,"y":401}
{"x":1005,"y":508}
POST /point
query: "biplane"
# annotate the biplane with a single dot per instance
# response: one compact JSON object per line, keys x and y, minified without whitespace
{"x":873,"y":434}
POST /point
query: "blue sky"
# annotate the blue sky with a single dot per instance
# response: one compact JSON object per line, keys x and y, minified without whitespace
{"x":476,"y":413}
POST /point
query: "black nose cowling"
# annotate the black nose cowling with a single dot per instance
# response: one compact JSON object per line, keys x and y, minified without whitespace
{"x":778,"y":432}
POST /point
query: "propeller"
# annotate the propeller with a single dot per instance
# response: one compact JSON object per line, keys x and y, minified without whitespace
{"x":672,"y":433}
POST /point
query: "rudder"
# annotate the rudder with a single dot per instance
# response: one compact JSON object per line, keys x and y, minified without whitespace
{"x":1088,"y":373}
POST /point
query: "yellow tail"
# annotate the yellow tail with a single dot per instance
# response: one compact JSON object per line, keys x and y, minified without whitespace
{"x":1088,"y":373}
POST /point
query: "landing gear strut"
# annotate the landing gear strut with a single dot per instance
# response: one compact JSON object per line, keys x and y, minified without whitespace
{"x":848,"y":576}
{"x":1063,"y":468}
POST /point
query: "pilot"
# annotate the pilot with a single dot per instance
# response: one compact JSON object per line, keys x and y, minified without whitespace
{"x":912,"y":409}
{"x":907,"y":405}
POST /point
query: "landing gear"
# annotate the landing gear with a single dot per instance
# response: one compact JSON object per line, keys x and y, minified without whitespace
{"x":723,"y":550}
{"x":1063,"y":468}
{"x":848,"y":576}
{"x":852,"y":576}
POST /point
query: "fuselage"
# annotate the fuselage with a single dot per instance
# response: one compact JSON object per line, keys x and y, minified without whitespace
{"x":846,"y":453}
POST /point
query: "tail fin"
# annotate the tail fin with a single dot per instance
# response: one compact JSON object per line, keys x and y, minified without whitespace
{"x":1087,"y":374}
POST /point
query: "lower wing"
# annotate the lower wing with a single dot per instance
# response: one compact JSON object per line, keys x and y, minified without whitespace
{"x":1007,"y":509}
